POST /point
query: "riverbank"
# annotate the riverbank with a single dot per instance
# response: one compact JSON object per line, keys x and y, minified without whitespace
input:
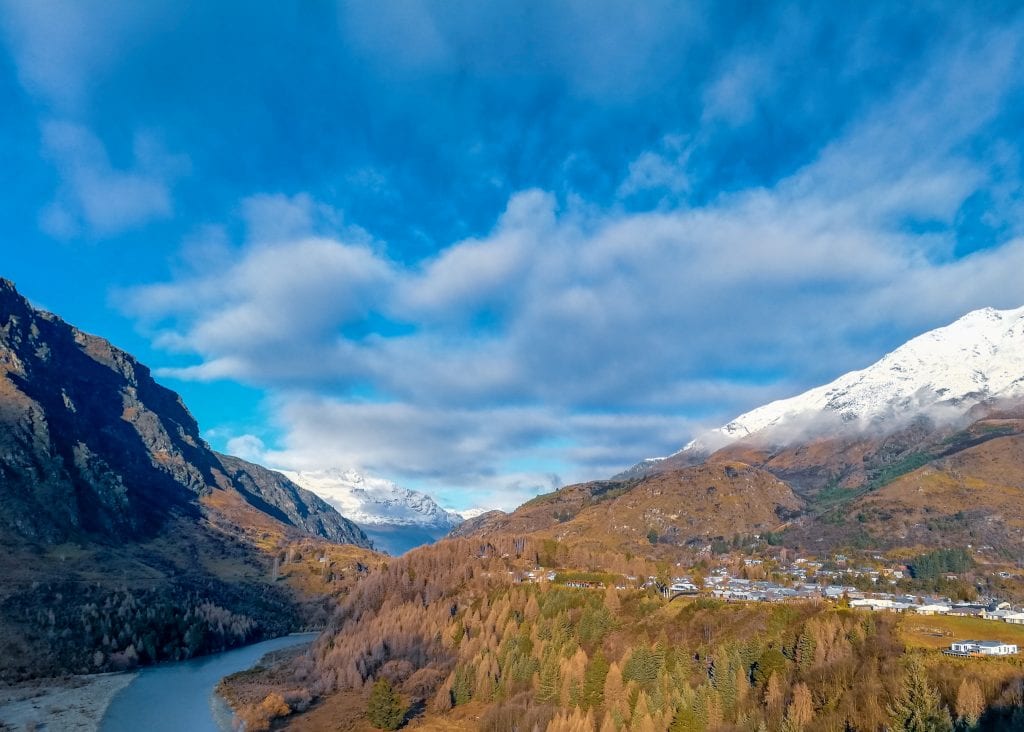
{"x":75,"y":703}
{"x":267,"y":690}
{"x":180,"y":696}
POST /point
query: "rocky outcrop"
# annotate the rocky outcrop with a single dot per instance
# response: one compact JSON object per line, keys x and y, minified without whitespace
{"x":473,"y":526}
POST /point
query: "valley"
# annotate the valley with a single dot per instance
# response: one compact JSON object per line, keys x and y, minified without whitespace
{"x":786,"y":580}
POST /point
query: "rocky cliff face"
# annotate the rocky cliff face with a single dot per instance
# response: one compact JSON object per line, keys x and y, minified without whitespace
{"x":93,"y":448}
{"x":90,"y":444}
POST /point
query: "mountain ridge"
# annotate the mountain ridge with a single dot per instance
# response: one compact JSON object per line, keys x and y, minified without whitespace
{"x":941,"y":373}
{"x":94,"y":445}
{"x":396,"y":519}
{"x":368,"y":500}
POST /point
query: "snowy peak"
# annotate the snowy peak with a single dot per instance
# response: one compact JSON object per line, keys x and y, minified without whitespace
{"x":373,"y":501}
{"x":942,"y":373}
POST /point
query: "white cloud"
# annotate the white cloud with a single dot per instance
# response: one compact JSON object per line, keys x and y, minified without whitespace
{"x":247,"y":447}
{"x":664,"y":169}
{"x":64,"y":52}
{"x":603,"y":49}
{"x":570,"y":340}
{"x":497,"y":457}
{"x":732,"y":96}
{"x":476,"y":274}
{"x":98,"y":196}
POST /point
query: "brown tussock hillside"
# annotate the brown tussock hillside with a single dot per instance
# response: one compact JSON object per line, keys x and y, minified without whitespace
{"x":975,"y":496}
{"x":681,"y":507}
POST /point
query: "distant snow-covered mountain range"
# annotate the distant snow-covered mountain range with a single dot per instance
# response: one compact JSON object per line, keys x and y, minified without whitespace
{"x":396,"y":518}
{"x":941,"y":374}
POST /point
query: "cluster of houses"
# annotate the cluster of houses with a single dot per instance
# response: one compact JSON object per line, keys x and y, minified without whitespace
{"x":723,"y":586}
{"x":994,"y":610}
{"x":733,"y":588}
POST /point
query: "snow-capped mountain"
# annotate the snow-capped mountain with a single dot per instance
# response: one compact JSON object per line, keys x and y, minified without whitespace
{"x":472,"y":513}
{"x":942,"y":373}
{"x":371,"y":501}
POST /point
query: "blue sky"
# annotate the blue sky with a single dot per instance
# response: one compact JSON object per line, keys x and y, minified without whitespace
{"x":485,"y":249}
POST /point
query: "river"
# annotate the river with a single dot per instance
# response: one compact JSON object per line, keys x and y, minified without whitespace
{"x":180,"y":696}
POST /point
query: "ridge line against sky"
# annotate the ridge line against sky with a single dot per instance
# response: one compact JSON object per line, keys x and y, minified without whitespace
{"x":485,"y":250}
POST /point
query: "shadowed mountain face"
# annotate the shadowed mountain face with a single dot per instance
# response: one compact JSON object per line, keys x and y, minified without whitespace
{"x":139,"y":542}
{"x":91,"y":447}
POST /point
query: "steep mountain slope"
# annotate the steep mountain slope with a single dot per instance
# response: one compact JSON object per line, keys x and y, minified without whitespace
{"x":688,"y":507}
{"x":973,"y":497}
{"x":944,"y":488}
{"x":274,"y":494}
{"x":92,"y":447}
{"x":900,"y":453}
{"x":397,"y":519}
{"x":110,"y":498}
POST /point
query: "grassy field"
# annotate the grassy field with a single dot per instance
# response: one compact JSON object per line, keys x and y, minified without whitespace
{"x":938,"y":631}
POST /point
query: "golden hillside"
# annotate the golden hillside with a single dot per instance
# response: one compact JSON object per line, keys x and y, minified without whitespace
{"x":677,"y":508}
{"x":975,"y":496}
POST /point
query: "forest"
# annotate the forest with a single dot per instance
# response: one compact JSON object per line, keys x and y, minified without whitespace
{"x":450,"y":626}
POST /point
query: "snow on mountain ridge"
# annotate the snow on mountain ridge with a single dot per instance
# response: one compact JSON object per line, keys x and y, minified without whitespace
{"x":943,"y":372}
{"x":375,"y":501}
{"x":471,"y":513}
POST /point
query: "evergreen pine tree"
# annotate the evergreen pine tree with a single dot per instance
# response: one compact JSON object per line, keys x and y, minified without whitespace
{"x":593,"y":681}
{"x":462,"y":685}
{"x":384,"y":708}
{"x":548,"y":690}
{"x":805,"y":651}
{"x":725,"y":683}
{"x":918,"y":707}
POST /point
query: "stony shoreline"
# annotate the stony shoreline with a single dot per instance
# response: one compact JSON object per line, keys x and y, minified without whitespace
{"x":74,"y":704}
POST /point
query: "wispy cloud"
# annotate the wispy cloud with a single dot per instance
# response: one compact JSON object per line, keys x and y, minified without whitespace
{"x":98,"y":197}
{"x":64,"y":52}
{"x":63,"y":48}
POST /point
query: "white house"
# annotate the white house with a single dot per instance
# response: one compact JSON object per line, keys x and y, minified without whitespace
{"x":872,"y":603}
{"x":931,"y":609}
{"x":881,"y":603}
{"x":984,"y":648}
{"x":1017,"y":618}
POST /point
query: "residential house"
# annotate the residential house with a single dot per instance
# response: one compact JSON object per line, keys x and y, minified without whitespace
{"x":981,"y":648}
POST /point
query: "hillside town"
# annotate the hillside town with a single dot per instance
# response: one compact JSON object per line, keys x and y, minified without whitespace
{"x":803,"y":580}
